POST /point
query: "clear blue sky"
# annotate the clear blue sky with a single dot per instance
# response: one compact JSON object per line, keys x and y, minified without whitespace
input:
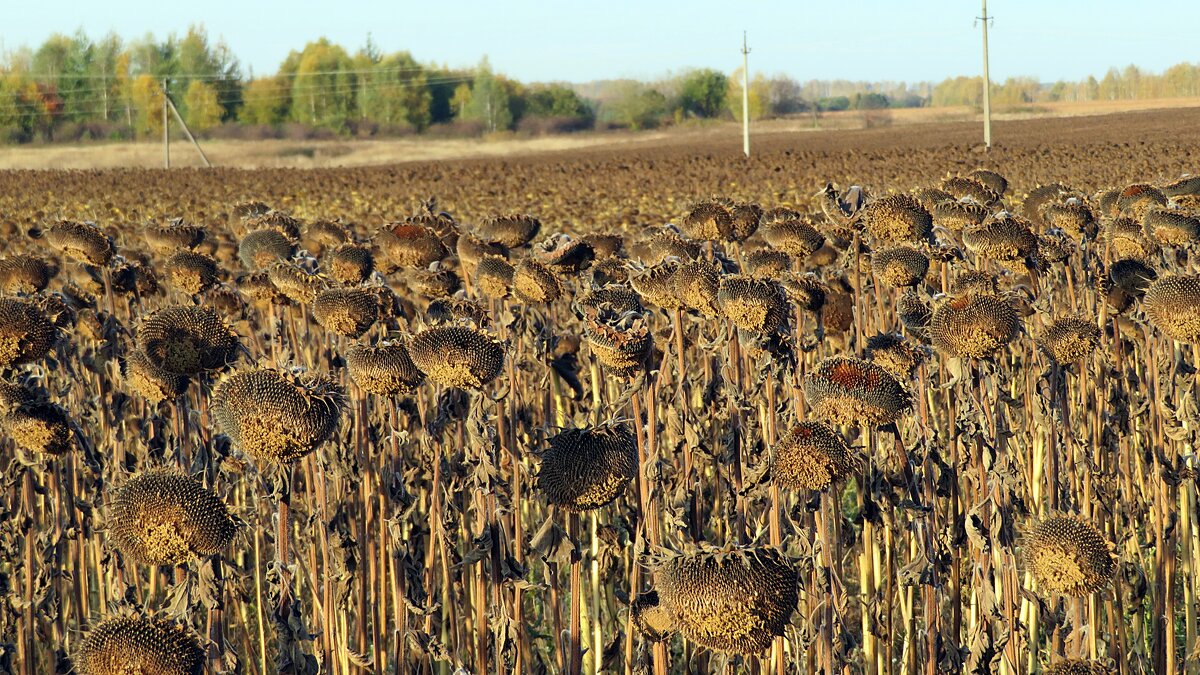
{"x":580,"y":41}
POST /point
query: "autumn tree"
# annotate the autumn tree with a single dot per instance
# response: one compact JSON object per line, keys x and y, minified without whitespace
{"x":760,"y":92}
{"x":204,"y":110}
{"x":265,"y":101}
{"x":147,"y":96}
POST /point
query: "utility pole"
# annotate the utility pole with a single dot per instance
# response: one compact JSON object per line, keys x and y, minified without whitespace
{"x":186,"y":131}
{"x":166,"y":128}
{"x":746,"y":97}
{"x":987,"y":85}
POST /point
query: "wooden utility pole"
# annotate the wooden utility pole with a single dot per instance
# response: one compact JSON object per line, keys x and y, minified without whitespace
{"x":746,"y":97}
{"x":166,"y":128}
{"x":187,"y":132}
{"x":987,"y":85}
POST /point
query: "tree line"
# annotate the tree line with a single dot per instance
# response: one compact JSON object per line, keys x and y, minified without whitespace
{"x":72,"y":87}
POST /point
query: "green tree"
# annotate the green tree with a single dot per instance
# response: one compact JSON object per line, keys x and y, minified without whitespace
{"x":62,"y":63}
{"x":324,"y":88}
{"x":556,"y":100}
{"x":395,"y":91}
{"x":634,"y":105}
{"x":204,"y":110}
{"x":489,"y":102}
{"x":702,"y":93}
{"x":197,"y":56}
{"x":869,"y":101}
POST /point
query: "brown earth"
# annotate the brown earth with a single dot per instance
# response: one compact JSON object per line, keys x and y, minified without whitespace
{"x":646,"y":183}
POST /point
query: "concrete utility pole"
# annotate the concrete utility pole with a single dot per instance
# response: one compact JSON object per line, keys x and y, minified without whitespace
{"x":746,"y":97}
{"x":187,"y":132}
{"x":166,"y":128}
{"x":987,"y":85}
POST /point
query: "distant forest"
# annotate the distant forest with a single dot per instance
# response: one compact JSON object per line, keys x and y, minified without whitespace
{"x":73,"y":88}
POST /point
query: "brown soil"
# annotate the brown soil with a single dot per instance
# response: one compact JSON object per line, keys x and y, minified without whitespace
{"x":647,"y":183}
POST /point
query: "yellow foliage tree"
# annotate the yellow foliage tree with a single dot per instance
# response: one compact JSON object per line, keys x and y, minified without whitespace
{"x":147,"y":95}
{"x":203,"y":110}
{"x":759,"y":94}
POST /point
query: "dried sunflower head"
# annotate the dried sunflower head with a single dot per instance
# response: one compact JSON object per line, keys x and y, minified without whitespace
{"x":296,"y":284}
{"x":667,"y":243}
{"x":617,"y":298}
{"x":791,"y":232}
{"x":657,"y":285}
{"x":457,"y":356}
{"x":273,"y":219}
{"x":621,"y":342}
{"x":1077,"y":667}
{"x":34,"y":423}
{"x":735,"y":601}
{"x":144,"y":378}
{"x":83,"y":242}
{"x":963,"y":187}
{"x":1170,"y":227}
{"x":565,"y":254}
{"x":957,"y":216}
{"x":26,"y":333}
{"x":900,"y":266}
{"x":1173,"y":306}
{"x":386,"y":369}
{"x":973,"y":325}
{"x":1073,"y":217}
{"x":696,"y":286}
{"x":766,"y":263}
{"x":349,"y":263}
{"x":164,"y":517}
{"x":811,"y":456}
{"x":586,"y":469}
{"x":995,"y":181}
{"x":24,"y":274}
{"x":1002,"y":237}
{"x":139,"y":645}
{"x":1068,"y":555}
{"x":1070,"y":339}
{"x":534,"y":282}
{"x":897,"y":355}
{"x":191,"y":272}
{"x":321,"y":235}
{"x":187,"y":340}
{"x":847,"y":390}
{"x":346,"y":311}
{"x":408,"y":244}
{"x":510,"y":231}
{"x":173,"y":236}
{"x":896,"y":219}
{"x":262,"y":248}
{"x":494,"y":276}
{"x":278,"y":416}
{"x":754,"y":305}
{"x":1136,"y":199}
